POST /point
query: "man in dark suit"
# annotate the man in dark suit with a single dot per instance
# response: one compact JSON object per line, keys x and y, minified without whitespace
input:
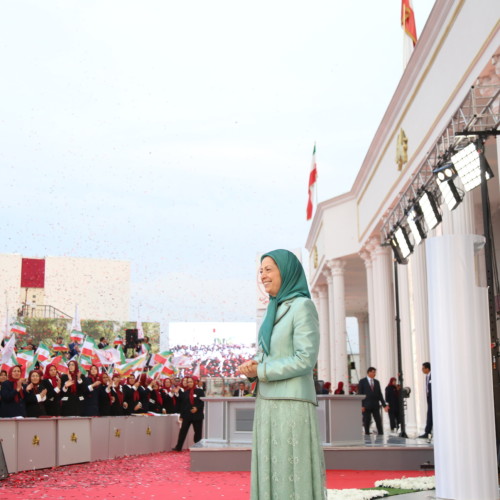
{"x":242,"y":391}
{"x":426,"y":370}
{"x":370,"y":388}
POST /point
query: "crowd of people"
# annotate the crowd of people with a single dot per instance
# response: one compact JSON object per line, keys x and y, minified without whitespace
{"x":95,"y":393}
{"x":214,"y":360}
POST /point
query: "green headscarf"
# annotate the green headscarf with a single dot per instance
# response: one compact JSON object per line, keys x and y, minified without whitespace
{"x":293,"y":284}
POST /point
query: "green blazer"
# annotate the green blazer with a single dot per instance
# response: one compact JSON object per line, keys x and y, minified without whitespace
{"x":287,"y":372}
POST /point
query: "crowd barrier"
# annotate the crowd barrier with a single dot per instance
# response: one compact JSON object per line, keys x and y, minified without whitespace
{"x":38,"y":443}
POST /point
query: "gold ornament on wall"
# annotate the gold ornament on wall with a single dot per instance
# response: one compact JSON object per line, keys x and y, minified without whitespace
{"x":148,"y":431}
{"x":401,"y":149}
{"x":74,"y":438}
{"x":117,"y":433}
{"x":36,"y":440}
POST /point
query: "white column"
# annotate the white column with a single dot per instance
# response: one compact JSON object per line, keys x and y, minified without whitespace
{"x":331,"y":329}
{"x":462,"y":387}
{"x":417,"y":279}
{"x":460,"y":220}
{"x":324,"y":344}
{"x":363,"y":344}
{"x":384,"y":319}
{"x":337,"y":268}
{"x":372,"y":355}
{"x":406,"y":348}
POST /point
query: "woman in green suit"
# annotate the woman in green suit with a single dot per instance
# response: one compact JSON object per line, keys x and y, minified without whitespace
{"x":287,"y":457}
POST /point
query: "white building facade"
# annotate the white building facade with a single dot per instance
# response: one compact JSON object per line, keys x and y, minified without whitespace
{"x":442,"y":294}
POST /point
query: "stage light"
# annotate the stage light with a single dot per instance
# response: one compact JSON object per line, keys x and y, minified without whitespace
{"x":414,"y":219}
{"x":398,"y":254}
{"x":451,"y":195}
{"x":445,"y":172}
{"x":468,"y":165}
{"x":403,"y":242}
{"x":430,"y":210}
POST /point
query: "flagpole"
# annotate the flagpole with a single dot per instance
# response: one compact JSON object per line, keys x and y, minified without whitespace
{"x":316,"y":190}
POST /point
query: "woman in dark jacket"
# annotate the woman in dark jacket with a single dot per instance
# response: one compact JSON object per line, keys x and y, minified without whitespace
{"x":52,"y":383}
{"x":392,"y":399}
{"x":191,"y":410}
{"x":119,"y":406}
{"x":132,"y":395}
{"x":106,"y":397}
{"x":170,"y":399}
{"x":156,"y":398}
{"x":13,"y":395}
{"x":36,"y":395}
{"x":91,"y":391}
{"x":72,"y":392}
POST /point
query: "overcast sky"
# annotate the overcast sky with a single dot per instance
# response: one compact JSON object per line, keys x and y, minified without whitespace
{"x":178,"y":135}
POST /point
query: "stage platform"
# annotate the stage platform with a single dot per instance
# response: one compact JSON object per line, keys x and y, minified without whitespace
{"x":386,"y":452}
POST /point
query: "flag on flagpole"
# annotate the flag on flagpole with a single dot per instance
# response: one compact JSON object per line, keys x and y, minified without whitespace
{"x":88,"y":347}
{"x":59,"y":363}
{"x":136,"y":364}
{"x":43,"y":352}
{"x":409,"y":30}
{"x":59,"y":348}
{"x":313,"y":176}
{"x":118,"y":340}
{"x":18,"y":328}
{"x":77,"y":336}
{"x":408,"y":20}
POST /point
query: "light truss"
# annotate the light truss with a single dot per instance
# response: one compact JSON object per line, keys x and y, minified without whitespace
{"x":478,"y":113}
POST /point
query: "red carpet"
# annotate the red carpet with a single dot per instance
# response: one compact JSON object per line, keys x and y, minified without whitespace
{"x":158,"y":476}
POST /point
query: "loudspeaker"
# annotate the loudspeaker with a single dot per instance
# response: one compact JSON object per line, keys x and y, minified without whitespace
{"x":131,"y":337}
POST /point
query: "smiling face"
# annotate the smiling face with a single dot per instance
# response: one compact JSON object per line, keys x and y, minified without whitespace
{"x":35,"y":378}
{"x":72,"y":367}
{"x":270,"y":276}
{"x":16,"y":373}
{"x":189,"y":383}
{"x":94,"y":371}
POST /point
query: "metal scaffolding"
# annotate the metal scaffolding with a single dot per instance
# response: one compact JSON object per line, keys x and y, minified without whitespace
{"x":479,"y":113}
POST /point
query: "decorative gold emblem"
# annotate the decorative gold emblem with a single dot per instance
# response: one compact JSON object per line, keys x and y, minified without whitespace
{"x":74,"y":438}
{"x":117,"y":433}
{"x":148,"y":431}
{"x":401,"y":149}
{"x":36,"y":440}
{"x":315,"y":256}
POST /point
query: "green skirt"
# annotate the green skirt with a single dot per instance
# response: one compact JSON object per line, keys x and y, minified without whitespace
{"x":287,"y":456}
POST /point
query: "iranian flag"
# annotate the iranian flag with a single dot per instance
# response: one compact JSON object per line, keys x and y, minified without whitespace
{"x":313,"y":176}
{"x":43,"y":352}
{"x":118,"y":340}
{"x":88,"y":347}
{"x":77,"y":336}
{"x":59,"y":363}
{"x":155,"y":371}
{"x":24,"y":359}
{"x":8,"y":363}
{"x":18,"y":328}
{"x":85,"y":362}
{"x":136,"y":364}
{"x":123,"y":359}
{"x":162,"y":357}
{"x":409,"y":30}
{"x":59,"y":348}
